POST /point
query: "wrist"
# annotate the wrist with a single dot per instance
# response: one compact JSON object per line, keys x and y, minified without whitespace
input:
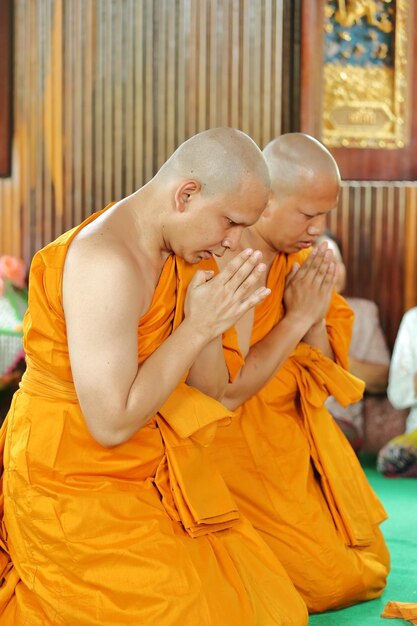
{"x":199,"y":333}
{"x":298,"y":323}
{"x":317,"y":327}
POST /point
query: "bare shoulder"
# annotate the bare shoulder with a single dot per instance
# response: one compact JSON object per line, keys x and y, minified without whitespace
{"x":100,"y":270}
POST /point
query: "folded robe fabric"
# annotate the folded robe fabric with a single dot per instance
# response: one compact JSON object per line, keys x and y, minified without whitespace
{"x":404,"y":610}
{"x":354,"y":506}
{"x":203,"y":506}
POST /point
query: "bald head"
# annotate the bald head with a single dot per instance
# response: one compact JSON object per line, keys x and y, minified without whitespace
{"x":219,"y":159}
{"x":297,"y":162}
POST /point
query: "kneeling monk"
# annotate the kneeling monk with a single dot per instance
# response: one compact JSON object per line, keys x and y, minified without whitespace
{"x":289,"y":467}
{"x":113,"y":513}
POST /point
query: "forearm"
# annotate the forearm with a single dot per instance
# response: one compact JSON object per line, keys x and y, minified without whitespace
{"x":115,"y":420}
{"x":264,"y":360}
{"x":209,"y":373}
{"x":317,"y":337}
{"x":374,"y":375}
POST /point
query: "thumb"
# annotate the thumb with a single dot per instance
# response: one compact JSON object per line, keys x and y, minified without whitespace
{"x":292,"y":273}
{"x":201,"y":277}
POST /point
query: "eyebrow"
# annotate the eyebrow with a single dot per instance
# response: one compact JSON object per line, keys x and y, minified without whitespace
{"x":240,"y":222}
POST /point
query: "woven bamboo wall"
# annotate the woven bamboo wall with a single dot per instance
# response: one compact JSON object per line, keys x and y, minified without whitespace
{"x":104,"y":90}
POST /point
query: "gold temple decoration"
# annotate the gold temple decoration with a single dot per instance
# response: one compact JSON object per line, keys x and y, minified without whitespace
{"x":366,"y":91}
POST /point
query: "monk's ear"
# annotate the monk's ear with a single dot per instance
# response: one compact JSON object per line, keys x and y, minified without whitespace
{"x":184,"y":193}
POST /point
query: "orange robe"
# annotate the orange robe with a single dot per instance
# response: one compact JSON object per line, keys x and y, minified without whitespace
{"x":145,"y":533}
{"x":294,"y":475}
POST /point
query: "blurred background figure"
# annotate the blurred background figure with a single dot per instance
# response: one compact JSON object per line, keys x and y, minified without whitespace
{"x":399,"y":456}
{"x":371,"y":422}
{"x":13,"y":304}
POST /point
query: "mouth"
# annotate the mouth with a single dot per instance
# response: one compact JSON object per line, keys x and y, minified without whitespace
{"x":305,"y":244}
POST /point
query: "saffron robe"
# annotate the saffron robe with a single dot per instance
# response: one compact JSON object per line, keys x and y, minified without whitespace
{"x":145,"y":533}
{"x":293,"y":473}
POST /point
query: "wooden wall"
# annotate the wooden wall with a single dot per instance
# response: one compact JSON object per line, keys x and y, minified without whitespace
{"x":106,"y":89}
{"x":376,"y":223}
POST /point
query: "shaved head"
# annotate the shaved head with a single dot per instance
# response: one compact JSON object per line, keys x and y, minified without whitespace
{"x":219,"y":159}
{"x":305,"y":185}
{"x":297,"y":162}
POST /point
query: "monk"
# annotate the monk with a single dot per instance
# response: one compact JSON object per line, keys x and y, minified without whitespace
{"x":112,"y":512}
{"x":289,"y":467}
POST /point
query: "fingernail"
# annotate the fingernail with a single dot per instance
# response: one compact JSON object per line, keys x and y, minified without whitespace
{"x":257,"y":254}
{"x":248,"y":251}
{"x":314,"y":251}
{"x":261,"y":267}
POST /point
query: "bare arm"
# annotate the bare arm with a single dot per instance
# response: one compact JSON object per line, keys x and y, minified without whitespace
{"x":307,"y":294}
{"x":375,"y":375}
{"x":209,"y":372}
{"x":318,"y":337}
{"x":264,"y":360}
{"x":104,"y":297}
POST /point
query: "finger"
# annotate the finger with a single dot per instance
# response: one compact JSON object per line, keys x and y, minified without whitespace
{"x":250,"y":283}
{"x":201,"y":277}
{"x":253,"y":300}
{"x":321,"y":269}
{"x":311,"y":263}
{"x":292,"y":273}
{"x":251,"y":266}
{"x":329,"y":280}
{"x":234,"y":265}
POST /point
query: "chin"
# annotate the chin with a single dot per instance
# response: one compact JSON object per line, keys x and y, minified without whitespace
{"x":192,"y":259}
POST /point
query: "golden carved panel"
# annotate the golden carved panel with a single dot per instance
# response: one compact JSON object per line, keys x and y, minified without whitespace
{"x":366,"y":91}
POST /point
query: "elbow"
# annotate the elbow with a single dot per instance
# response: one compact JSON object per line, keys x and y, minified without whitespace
{"x":218,"y":393}
{"x":229,"y":402}
{"x":109,"y":439}
{"x":110,"y":434}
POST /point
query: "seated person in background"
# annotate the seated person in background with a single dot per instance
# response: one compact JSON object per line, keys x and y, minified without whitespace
{"x":288,"y":465}
{"x":368,"y":354}
{"x":399,"y":456}
{"x":111,"y":512}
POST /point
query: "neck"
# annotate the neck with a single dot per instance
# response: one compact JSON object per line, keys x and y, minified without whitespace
{"x":146,"y":224}
{"x":252,"y":237}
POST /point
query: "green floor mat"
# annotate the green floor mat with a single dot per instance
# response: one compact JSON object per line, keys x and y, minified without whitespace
{"x":399,"y":496}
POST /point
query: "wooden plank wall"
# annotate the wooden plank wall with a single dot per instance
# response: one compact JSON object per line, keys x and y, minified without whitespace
{"x":376,"y":223}
{"x":106,"y":89}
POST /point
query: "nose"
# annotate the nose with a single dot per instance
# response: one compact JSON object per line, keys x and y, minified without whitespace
{"x":233,"y":238}
{"x":317,"y":225}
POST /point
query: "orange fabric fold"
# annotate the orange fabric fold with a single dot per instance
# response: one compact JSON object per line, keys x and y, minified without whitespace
{"x":188,"y":423}
{"x":354,"y":506}
{"x":404,"y":610}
